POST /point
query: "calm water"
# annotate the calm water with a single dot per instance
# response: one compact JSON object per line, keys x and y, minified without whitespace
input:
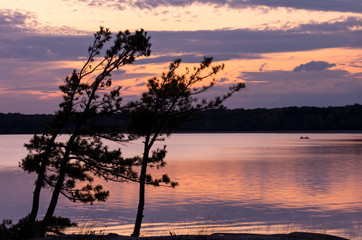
{"x":260,"y":183}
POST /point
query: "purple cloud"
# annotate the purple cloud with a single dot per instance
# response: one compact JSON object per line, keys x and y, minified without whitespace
{"x":331,"y":5}
{"x":262,"y":67}
{"x":223,"y":80}
{"x":222,"y":44}
{"x":141,"y":84}
{"x":288,"y":88}
{"x":27,"y":103}
{"x":302,"y":38}
{"x":12,"y":21}
{"x":313,"y":66}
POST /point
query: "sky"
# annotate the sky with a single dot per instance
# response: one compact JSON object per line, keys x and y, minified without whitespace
{"x":288,"y":52}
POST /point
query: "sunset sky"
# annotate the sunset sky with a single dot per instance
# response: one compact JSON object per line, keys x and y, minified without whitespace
{"x":288,"y":52}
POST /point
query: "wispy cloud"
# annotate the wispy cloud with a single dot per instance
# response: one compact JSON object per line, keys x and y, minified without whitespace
{"x":331,"y":5}
{"x":19,"y":23}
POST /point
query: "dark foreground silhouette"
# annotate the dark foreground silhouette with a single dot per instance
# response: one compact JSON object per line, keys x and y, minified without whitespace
{"x":215,"y":236}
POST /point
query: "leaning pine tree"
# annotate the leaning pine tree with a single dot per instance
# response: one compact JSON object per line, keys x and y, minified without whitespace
{"x":88,"y":95}
{"x":170,"y":101}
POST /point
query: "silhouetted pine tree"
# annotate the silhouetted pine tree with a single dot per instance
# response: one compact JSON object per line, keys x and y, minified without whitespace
{"x":61,"y":163}
{"x":169,"y":101}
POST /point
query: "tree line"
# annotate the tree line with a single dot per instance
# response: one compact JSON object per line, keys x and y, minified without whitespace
{"x":346,"y":118}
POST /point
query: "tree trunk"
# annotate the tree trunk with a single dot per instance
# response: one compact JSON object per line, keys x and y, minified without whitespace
{"x":40,"y":179}
{"x":141,"y":201}
{"x":58,"y":187}
{"x":36,"y":195}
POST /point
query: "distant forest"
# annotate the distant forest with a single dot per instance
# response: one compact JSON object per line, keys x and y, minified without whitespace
{"x":288,"y":119}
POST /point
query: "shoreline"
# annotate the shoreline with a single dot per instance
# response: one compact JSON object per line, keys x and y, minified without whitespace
{"x":214,"y":236}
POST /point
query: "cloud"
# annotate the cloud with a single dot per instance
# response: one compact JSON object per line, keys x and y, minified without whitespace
{"x":15,"y":22}
{"x":19,"y":76}
{"x":305,"y":78}
{"x":337,"y":25}
{"x":11,"y":18}
{"x":115,"y":4}
{"x":190,"y":45}
{"x":312,"y":82}
{"x":271,"y":89}
{"x":21,"y":37}
{"x":45,"y":48}
{"x":120,"y":75}
{"x":187,"y":58}
{"x":254,"y":99}
{"x":27,"y":103}
{"x":313,"y":66}
{"x":197,"y":57}
{"x":20,"y":23}
{"x":262,"y":67}
{"x":141,"y":84}
{"x":223,"y":80}
{"x":304,"y":37}
{"x":354,"y":6}
{"x":330,"y":5}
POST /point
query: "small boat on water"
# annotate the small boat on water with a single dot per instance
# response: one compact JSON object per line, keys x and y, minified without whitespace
{"x":306,"y":137}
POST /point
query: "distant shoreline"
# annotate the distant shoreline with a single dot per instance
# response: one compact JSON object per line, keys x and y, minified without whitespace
{"x":347,"y":119}
{"x":237,"y":132}
{"x":215,"y":236}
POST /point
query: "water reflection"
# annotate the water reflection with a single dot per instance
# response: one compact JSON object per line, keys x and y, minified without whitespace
{"x":230,"y":183}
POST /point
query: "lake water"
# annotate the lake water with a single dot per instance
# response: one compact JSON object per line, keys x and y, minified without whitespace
{"x":254,"y":183}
